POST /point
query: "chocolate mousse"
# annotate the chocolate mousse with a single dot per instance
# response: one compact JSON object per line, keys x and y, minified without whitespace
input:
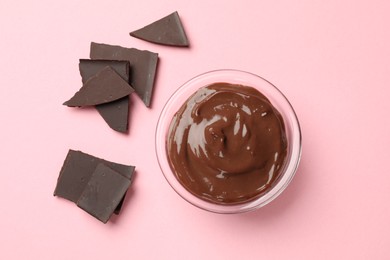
{"x":227,"y":144}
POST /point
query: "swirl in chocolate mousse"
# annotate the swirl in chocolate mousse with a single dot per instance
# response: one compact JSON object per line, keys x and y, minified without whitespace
{"x":227,"y":144}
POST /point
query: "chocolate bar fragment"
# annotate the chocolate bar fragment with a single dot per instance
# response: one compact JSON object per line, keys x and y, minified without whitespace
{"x":103,"y":192}
{"x":104,"y":87}
{"x":88,"y":68}
{"x":166,"y":31}
{"x":77,"y":170}
{"x":115,"y":113}
{"x":143,"y":66}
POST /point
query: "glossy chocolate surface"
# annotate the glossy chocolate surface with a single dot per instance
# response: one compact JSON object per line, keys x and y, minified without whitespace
{"x":227,"y":144}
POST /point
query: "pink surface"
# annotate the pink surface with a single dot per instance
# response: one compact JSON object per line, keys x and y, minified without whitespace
{"x":330,"y":58}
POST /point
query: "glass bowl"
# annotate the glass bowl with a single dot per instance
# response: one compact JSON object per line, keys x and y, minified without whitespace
{"x":278,"y":100}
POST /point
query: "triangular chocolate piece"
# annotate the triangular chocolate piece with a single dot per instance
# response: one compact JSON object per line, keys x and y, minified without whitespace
{"x":115,"y":113}
{"x":166,"y":31}
{"x":104,"y":87}
{"x":143,"y":65}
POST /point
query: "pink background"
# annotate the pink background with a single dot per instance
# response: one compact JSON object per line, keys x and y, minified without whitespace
{"x":330,"y":58}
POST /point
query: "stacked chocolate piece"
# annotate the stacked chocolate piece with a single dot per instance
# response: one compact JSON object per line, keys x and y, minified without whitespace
{"x":97,"y":186}
{"x":114,"y":72}
{"x":109,"y":77}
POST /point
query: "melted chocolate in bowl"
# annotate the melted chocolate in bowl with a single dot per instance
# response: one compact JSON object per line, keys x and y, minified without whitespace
{"x":227,"y":144}
{"x":228,"y":141}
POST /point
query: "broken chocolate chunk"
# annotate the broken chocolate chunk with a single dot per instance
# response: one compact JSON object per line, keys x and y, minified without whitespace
{"x":88,"y":68}
{"x":142,"y":70}
{"x":104,"y":87}
{"x":77,"y":170}
{"x":115,"y":113}
{"x":166,"y":31}
{"x":103,"y":192}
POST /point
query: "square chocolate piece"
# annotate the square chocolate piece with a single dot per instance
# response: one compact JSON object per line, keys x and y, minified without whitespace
{"x":103,"y":192}
{"x":89,"y":68}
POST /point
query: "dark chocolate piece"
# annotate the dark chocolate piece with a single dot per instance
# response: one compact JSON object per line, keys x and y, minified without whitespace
{"x":166,"y":31}
{"x":104,"y":87}
{"x":142,"y":70}
{"x":88,"y":68}
{"x":115,"y":113}
{"x":103,"y":192}
{"x":77,"y":170}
